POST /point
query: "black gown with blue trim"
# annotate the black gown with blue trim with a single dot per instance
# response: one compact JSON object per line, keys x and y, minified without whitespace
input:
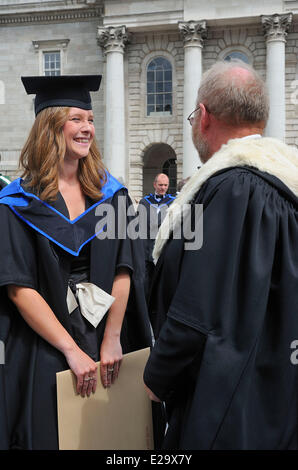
{"x":150,"y":221}
{"x":38,"y":244}
{"x":158,"y":206}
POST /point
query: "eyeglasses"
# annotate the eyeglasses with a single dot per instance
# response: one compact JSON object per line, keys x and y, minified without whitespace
{"x":191,"y":116}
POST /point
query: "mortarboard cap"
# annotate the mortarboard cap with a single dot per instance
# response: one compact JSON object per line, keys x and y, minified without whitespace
{"x":62,"y":90}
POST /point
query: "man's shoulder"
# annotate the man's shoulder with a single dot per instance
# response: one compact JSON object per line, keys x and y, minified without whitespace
{"x":246,"y":178}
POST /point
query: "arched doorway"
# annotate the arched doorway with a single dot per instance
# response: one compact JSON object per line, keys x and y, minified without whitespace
{"x":159,"y":158}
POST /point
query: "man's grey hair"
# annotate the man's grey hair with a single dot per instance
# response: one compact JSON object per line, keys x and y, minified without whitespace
{"x":233,"y":97}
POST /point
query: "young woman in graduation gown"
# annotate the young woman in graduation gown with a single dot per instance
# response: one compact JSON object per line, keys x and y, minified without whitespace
{"x":52,"y":256}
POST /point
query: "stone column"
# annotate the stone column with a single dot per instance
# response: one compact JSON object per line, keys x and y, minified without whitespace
{"x":193,"y":33}
{"x":113,"y":41}
{"x":275,"y":30}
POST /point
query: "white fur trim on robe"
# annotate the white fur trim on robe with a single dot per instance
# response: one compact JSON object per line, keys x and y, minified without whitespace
{"x":266,"y":154}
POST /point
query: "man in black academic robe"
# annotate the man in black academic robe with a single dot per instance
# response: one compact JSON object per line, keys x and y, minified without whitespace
{"x":225,"y":314}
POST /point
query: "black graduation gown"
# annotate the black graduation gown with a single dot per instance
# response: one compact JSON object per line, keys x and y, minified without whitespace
{"x":226,"y":316}
{"x":28,"y":414}
{"x":155,"y":213}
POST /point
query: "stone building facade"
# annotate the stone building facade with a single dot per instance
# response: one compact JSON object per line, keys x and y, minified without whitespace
{"x":132,"y":44}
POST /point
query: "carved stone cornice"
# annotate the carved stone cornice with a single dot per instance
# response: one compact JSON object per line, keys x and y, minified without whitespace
{"x":60,"y":43}
{"x":49,"y":11}
{"x":113,"y":39}
{"x":276,"y":26}
{"x":193,"y":32}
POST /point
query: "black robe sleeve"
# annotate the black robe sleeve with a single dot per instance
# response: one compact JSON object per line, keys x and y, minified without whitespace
{"x":18,"y":267}
{"x":16,"y":252}
{"x":131,"y":256}
{"x":164,"y":380}
{"x":229,"y":291}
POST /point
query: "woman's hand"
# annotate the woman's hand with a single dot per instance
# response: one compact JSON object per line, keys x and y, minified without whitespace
{"x":110,"y":359}
{"x":39,"y":316}
{"x":85,"y":370}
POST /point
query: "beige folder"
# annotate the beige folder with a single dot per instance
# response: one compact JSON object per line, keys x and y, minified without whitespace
{"x":115,"y":418}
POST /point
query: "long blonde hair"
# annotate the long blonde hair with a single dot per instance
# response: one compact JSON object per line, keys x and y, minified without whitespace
{"x":44,"y":151}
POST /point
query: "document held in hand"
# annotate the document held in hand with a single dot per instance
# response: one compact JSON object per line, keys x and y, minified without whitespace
{"x":115,"y":418}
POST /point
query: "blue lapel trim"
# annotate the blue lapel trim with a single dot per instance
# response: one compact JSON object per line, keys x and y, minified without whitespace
{"x":15,"y":196}
{"x":22,"y":200}
{"x":168,"y":196}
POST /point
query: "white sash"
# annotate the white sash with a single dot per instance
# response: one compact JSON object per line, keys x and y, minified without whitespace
{"x":94,"y":302}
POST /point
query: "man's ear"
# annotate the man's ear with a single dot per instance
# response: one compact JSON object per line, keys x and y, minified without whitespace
{"x":205,"y":118}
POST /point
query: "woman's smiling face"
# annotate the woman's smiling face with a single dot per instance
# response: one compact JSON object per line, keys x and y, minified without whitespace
{"x":78,"y":133}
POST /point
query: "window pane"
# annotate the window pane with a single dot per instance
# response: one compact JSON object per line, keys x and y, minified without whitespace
{"x":168,"y":86}
{"x":150,"y":109}
{"x":151,"y":99}
{"x":152,"y":65}
{"x":150,"y":87}
{"x":159,"y":87}
{"x":159,"y":99}
{"x":159,"y":60}
{"x":150,"y":76}
{"x":168,"y":98}
{"x":163,"y":62}
{"x":159,"y":76}
{"x":167,"y":65}
{"x":159,"y":108}
{"x":168,"y":75}
{"x":237,"y":55}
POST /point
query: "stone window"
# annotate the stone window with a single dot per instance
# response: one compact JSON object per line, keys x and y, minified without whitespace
{"x":159,"y":87}
{"x":170,"y":169}
{"x":51,"y":63}
{"x":52,"y":55}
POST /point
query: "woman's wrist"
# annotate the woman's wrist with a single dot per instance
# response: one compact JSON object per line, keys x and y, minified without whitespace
{"x":112,"y":333}
{"x":68,"y":347}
